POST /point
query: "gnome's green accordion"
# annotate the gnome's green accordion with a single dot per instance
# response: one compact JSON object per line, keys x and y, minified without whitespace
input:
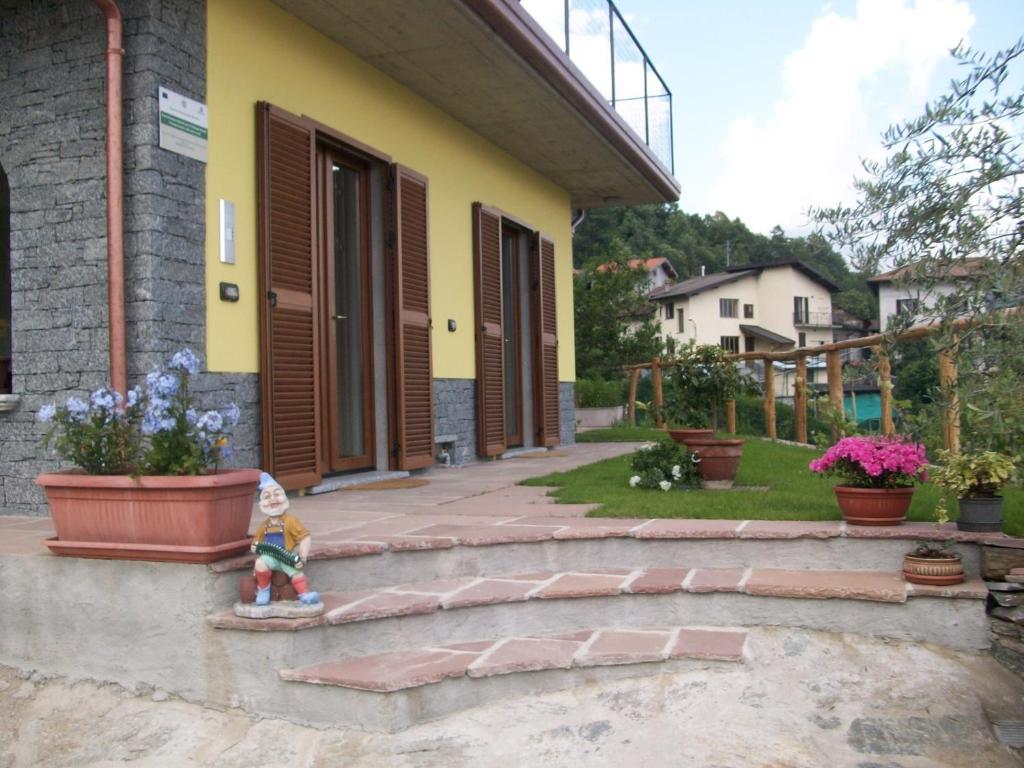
{"x":282,"y":554}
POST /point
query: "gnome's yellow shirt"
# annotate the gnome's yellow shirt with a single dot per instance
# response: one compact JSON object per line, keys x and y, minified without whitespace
{"x":294,"y":531}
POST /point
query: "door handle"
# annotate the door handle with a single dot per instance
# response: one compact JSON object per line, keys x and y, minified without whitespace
{"x":340,"y":317}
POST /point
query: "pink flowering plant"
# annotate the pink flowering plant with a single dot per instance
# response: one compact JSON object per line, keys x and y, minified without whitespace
{"x":874,"y":462}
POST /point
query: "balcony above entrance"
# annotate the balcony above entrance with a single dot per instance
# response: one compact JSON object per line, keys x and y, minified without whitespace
{"x":491,"y":65}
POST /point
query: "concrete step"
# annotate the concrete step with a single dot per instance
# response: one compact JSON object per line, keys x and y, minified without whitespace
{"x":463,"y":610}
{"x":391,"y":691}
{"x":412,"y":548}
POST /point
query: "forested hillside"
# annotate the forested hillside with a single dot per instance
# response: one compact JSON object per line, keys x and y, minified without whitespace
{"x":689,"y":241}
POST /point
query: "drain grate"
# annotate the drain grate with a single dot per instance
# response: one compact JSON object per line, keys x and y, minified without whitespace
{"x":1010,"y":732}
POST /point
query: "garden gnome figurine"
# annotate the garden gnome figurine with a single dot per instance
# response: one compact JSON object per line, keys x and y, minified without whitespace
{"x":289,"y":544}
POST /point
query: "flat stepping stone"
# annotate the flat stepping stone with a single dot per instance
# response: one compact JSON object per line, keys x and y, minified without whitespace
{"x":400,"y":670}
{"x":279,"y":609}
{"x":469,"y":592}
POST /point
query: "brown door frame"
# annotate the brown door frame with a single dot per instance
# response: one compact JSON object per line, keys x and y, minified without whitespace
{"x":330,"y":456}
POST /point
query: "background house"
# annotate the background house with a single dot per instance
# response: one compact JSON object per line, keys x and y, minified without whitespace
{"x":749,"y":308}
{"x":371,"y":252}
{"x":903,"y":292}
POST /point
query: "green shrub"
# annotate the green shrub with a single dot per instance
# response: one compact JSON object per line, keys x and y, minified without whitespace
{"x":750,"y":419}
{"x":663,"y":464}
{"x":598,"y":393}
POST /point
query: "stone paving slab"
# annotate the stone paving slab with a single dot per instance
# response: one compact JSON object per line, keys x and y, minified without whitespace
{"x":453,"y":594}
{"x":399,"y":670}
{"x":847,"y":585}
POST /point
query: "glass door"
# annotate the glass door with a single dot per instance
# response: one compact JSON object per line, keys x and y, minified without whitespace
{"x":345,"y":264}
{"x":510,"y":323}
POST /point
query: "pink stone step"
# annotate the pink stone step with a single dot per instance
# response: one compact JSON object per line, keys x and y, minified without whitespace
{"x":399,"y":670}
{"x":467,"y":592}
{"x":415,"y":530}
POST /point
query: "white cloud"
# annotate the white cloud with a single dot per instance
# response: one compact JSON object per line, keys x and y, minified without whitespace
{"x":852,"y":78}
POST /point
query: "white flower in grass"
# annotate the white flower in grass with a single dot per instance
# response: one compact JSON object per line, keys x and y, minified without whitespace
{"x":634,"y":481}
{"x":677,"y":471}
{"x":646,"y":446}
{"x":665,"y":485}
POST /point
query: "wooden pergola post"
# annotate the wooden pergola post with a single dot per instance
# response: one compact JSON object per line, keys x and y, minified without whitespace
{"x":800,"y":400}
{"x":885,"y":390}
{"x":730,"y":416}
{"x":634,"y":380}
{"x":947,"y":380}
{"x":659,"y":395}
{"x":769,"y":399}
{"x":834,"y":369}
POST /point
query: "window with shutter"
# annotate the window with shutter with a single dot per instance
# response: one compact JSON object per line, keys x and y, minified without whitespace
{"x":413,"y":372}
{"x":546,"y":325}
{"x":490,"y":357}
{"x":289,"y":359}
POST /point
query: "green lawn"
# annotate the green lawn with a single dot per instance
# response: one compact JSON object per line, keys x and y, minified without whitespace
{"x":794,"y":492}
{"x":619,"y":435}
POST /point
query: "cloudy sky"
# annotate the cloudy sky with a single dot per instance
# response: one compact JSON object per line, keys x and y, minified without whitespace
{"x":776,"y":102}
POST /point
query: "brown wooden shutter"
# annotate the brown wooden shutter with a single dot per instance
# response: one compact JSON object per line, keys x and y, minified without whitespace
{"x":542,"y":268}
{"x":490,"y":347}
{"x":413,"y":371}
{"x":289,"y":337}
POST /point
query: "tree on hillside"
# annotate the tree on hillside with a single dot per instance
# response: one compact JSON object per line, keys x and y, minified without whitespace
{"x":615,"y":323}
{"x":950,"y":190}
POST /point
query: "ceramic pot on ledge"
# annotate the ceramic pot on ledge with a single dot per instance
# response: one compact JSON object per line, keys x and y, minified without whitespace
{"x":873,"y":506}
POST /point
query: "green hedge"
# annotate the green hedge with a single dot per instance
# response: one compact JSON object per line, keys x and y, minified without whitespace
{"x":598,"y":393}
{"x":750,"y":419}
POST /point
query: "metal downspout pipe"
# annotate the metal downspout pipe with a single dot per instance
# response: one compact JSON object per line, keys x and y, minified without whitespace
{"x":115,"y":197}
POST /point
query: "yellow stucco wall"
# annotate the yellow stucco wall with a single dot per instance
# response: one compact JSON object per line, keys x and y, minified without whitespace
{"x":257,"y":52}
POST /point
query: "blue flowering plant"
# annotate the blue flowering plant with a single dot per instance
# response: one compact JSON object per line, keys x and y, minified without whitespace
{"x":156,"y":430}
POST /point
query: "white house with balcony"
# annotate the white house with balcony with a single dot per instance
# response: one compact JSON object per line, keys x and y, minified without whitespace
{"x":749,"y":308}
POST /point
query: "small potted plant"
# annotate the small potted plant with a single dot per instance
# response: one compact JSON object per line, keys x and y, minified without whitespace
{"x":149,"y":483}
{"x":662,"y":465}
{"x":975,"y":479}
{"x":879,"y":475}
{"x":934,"y":563}
{"x":699,"y":380}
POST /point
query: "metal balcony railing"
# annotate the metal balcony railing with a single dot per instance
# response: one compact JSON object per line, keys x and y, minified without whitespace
{"x":597,"y":39}
{"x":813,"y":319}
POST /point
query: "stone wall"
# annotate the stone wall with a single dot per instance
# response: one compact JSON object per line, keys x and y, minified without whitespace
{"x":455,"y":414}
{"x":567,"y":412}
{"x":52,"y":148}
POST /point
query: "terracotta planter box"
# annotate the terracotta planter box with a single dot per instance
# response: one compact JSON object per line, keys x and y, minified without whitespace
{"x":169,"y":519}
{"x":873,"y":506}
{"x":719,"y":461}
{"x":936,"y":571}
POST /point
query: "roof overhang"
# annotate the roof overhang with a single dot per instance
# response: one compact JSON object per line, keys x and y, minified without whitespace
{"x":490,"y":66}
{"x":763,"y":333}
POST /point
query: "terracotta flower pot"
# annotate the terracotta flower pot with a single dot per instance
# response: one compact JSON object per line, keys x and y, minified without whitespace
{"x":684,"y":435}
{"x":719,"y":461}
{"x":873,"y":506}
{"x":936,"y":571}
{"x":196,"y":519}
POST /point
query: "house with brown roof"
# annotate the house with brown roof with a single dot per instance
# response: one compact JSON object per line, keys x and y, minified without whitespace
{"x":908,"y":291}
{"x":749,"y":308}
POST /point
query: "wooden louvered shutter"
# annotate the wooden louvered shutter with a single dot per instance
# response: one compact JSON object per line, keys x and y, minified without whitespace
{"x":413,"y":371}
{"x":542,"y":268}
{"x":289,"y":338}
{"x":490,"y":347}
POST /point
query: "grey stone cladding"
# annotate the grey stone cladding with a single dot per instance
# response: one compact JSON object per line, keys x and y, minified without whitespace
{"x":567,"y":412}
{"x":52,"y":148}
{"x":455,"y":414}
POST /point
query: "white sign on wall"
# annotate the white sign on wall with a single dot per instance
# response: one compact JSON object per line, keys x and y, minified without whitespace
{"x":182,"y":125}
